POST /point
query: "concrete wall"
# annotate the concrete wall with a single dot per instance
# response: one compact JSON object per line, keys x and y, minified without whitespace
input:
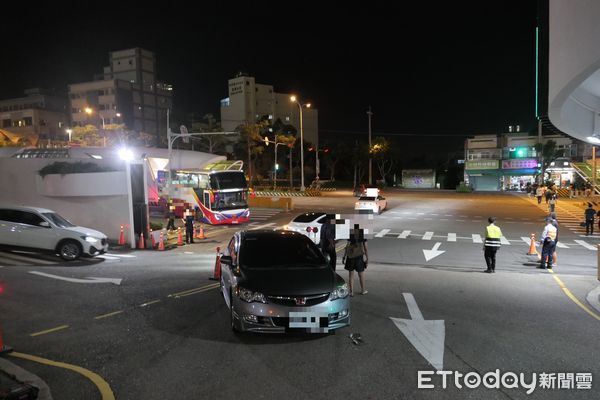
{"x":102,"y":204}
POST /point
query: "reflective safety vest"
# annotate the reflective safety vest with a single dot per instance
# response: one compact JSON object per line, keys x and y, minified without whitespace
{"x":492,"y":236}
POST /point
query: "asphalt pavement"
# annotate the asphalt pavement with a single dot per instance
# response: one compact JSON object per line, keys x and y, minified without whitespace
{"x":152,"y":325}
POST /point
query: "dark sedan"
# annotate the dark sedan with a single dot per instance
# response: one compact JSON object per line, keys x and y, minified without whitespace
{"x":279,"y":281}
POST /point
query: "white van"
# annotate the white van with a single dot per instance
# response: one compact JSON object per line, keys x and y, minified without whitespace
{"x":45,"y":230}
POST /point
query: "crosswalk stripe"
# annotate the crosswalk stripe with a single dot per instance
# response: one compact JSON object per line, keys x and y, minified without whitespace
{"x":18,"y":257}
{"x":585,"y":244}
{"x":382,"y":233}
{"x":120,"y":255}
{"x":562,"y":245}
{"x":503,"y":240}
{"x":428,"y":235}
{"x":526,"y":240}
{"x":263,"y":225}
{"x":452,"y":237}
{"x":404,"y":234}
{"x":476,"y":238}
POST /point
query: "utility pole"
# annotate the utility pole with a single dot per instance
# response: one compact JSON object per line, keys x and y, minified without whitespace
{"x":369,"y":113}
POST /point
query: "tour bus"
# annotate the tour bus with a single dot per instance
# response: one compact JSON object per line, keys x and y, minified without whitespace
{"x":220,"y":191}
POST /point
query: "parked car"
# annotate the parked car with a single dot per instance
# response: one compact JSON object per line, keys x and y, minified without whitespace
{"x":376,"y":204}
{"x":308,"y":224}
{"x":47,"y":231}
{"x":279,"y":281}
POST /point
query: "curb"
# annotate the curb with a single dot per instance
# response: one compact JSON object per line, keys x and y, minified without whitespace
{"x":593,"y":298}
{"x":26,"y":377}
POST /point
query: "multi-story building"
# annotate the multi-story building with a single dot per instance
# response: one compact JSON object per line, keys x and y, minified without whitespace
{"x":510,"y":161}
{"x":126,"y":92}
{"x":249,"y":102}
{"x":38,"y":115}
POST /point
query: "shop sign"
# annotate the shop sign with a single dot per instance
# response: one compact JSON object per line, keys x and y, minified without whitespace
{"x":481,"y":164}
{"x":519,"y":163}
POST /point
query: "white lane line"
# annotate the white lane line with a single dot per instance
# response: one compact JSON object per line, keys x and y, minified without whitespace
{"x":120,"y":255}
{"x":451,"y":237}
{"x":460,"y":220}
{"x":503,"y":240}
{"x":404,"y":234}
{"x":104,"y":256}
{"x":428,"y":219}
{"x":17,"y":257}
{"x":585,"y":244}
{"x":434,"y":214}
{"x":448,"y":215}
{"x":382,"y":233}
{"x":562,"y":245}
{"x":263,"y":226}
{"x":427,"y":235}
{"x":476,"y":238}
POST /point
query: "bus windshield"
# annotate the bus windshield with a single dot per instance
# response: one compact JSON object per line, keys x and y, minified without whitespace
{"x":229,"y":201}
{"x":228,"y":180}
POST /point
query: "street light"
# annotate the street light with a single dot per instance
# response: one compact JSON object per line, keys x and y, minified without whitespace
{"x":90,"y":111}
{"x":276,"y":143}
{"x":317,"y":164}
{"x":69,"y":132}
{"x":294,"y":99}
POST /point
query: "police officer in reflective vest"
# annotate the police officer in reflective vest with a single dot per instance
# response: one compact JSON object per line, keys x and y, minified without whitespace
{"x":491,"y":245}
{"x":548,"y":240}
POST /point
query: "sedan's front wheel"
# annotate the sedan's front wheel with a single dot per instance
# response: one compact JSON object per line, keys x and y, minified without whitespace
{"x":69,"y":250}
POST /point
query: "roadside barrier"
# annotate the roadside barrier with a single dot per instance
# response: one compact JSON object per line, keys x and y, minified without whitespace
{"x":217,"y":271}
{"x":161,"y":242}
{"x":179,"y":237}
{"x":122,"y":236}
{"x":532,"y":250}
{"x":142,"y":242}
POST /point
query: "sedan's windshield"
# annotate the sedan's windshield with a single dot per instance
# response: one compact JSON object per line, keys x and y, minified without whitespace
{"x":364,"y":198}
{"x":280,"y":251}
{"x":58,"y":220}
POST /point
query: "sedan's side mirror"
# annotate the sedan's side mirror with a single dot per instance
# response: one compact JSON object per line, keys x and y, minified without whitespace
{"x":44,"y":224}
{"x":227,"y":260}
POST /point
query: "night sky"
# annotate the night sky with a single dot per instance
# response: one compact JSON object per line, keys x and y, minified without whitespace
{"x":426,"y":68}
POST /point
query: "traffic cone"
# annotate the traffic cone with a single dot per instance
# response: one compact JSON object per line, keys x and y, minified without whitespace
{"x":217,"y":271}
{"x":201,"y":235}
{"x":141,"y":243}
{"x":152,"y":239}
{"x":179,"y":237}
{"x":161,"y":242}
{"x":532,"y":250}
{"x":4,"y":348}
{"x":122,"y":236}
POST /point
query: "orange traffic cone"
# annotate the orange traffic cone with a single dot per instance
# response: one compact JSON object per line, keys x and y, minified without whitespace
{"x":532,"y":250}
{"x":217,"y":271}
{"x":141,"y":243}
{"x":161,"y":242}
{"x":4,"y":348}
{"x":152,"y":240}
{"x":179,"y":237}
{"x":122,"y":237}
{"x":201,"y":234}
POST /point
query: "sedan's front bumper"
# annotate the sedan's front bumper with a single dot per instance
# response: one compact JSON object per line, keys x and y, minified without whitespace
{"x":276,"y":318}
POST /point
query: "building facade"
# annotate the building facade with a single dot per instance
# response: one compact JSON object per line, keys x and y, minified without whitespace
{"x":40,"y":115}
{"x":126,"y":92}
{"x":511,"y":162}
{"x":249,"y":102}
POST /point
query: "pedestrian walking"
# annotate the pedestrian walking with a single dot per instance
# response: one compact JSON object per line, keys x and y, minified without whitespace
{"x":548,"y":241}
{"x":171,"y":219}
{"x":327,"y":240}
{"x":548,"y":194}
{"x":552,"y":203}
{"x":589,"y":220}
{"x":491,"y":245}
{"x":539,"y":192}
{"x":189,"y":227}
{"x":555,"y":254}
{"x":356,"y":258}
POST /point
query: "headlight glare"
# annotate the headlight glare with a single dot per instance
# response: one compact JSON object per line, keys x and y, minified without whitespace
{"x":249,"y":296}
{"x":90,"y":239}
{"x":340,"y":292}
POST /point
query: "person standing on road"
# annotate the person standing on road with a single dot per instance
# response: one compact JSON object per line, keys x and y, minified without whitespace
{"x":327,"y":239}
{"x":356,"y":258}
{"x":539,"y":192}
{"x":548,"y":240}
{"x":170,"y":219}
{"x":492,"y":244}
{"x":189,"y":227}
{"x":589,"y":220}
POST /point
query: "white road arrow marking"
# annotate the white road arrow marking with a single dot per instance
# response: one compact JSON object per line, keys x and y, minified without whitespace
{"x":434,"y":252}
{"x":426,"y":336}
{"x":90,"y":279}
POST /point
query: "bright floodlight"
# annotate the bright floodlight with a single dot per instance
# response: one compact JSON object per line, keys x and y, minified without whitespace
{"x":125,"y":154}
{"x":293,"y":98}
{"x":88,"y":110}
{"x":307,"y":105}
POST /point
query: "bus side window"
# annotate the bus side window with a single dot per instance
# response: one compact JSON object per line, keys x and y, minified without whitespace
{"x":207,"y":201}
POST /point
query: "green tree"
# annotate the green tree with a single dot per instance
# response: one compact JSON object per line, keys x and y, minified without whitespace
{"x":546,"y":153}
{"x":210,"y":143}
{"x":252,"y":134}
{"x":86,"y":135}
{"x":381,"y":153}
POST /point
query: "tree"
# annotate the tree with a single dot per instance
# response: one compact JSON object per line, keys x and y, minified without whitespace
{"x":381,"y":152}
{"x":86,"y":135}
{"x":209,"y":143}
{"x":252,"y":134}
{"x":546,"y":152}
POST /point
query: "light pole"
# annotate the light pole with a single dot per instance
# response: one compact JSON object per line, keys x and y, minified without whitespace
{"x":317,"y":164}
{"x":294,"y":99}
{"x":276,"y":143}
{"x":69,"y":132}
{"x":369,"y":113}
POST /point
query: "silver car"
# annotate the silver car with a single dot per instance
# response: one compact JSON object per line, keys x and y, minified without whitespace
{"x":279,"y":281}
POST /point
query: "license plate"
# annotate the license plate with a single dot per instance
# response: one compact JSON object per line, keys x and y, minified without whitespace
{"x":307,"y":320}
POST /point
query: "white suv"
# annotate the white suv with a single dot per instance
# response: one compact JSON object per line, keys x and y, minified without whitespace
{"x":42,"y":229}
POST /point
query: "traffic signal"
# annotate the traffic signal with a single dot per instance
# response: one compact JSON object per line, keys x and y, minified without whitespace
{"x":326,"y":150}
{"x":521,"y":152}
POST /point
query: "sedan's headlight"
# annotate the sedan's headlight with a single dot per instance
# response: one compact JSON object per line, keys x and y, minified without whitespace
{"x":249,"y":296}
{"x":90,"y":239}
{"x":341,"y":292}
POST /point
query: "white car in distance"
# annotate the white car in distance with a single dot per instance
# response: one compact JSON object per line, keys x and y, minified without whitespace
{"x":309,"y":224}
{"x":371,"y":200}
